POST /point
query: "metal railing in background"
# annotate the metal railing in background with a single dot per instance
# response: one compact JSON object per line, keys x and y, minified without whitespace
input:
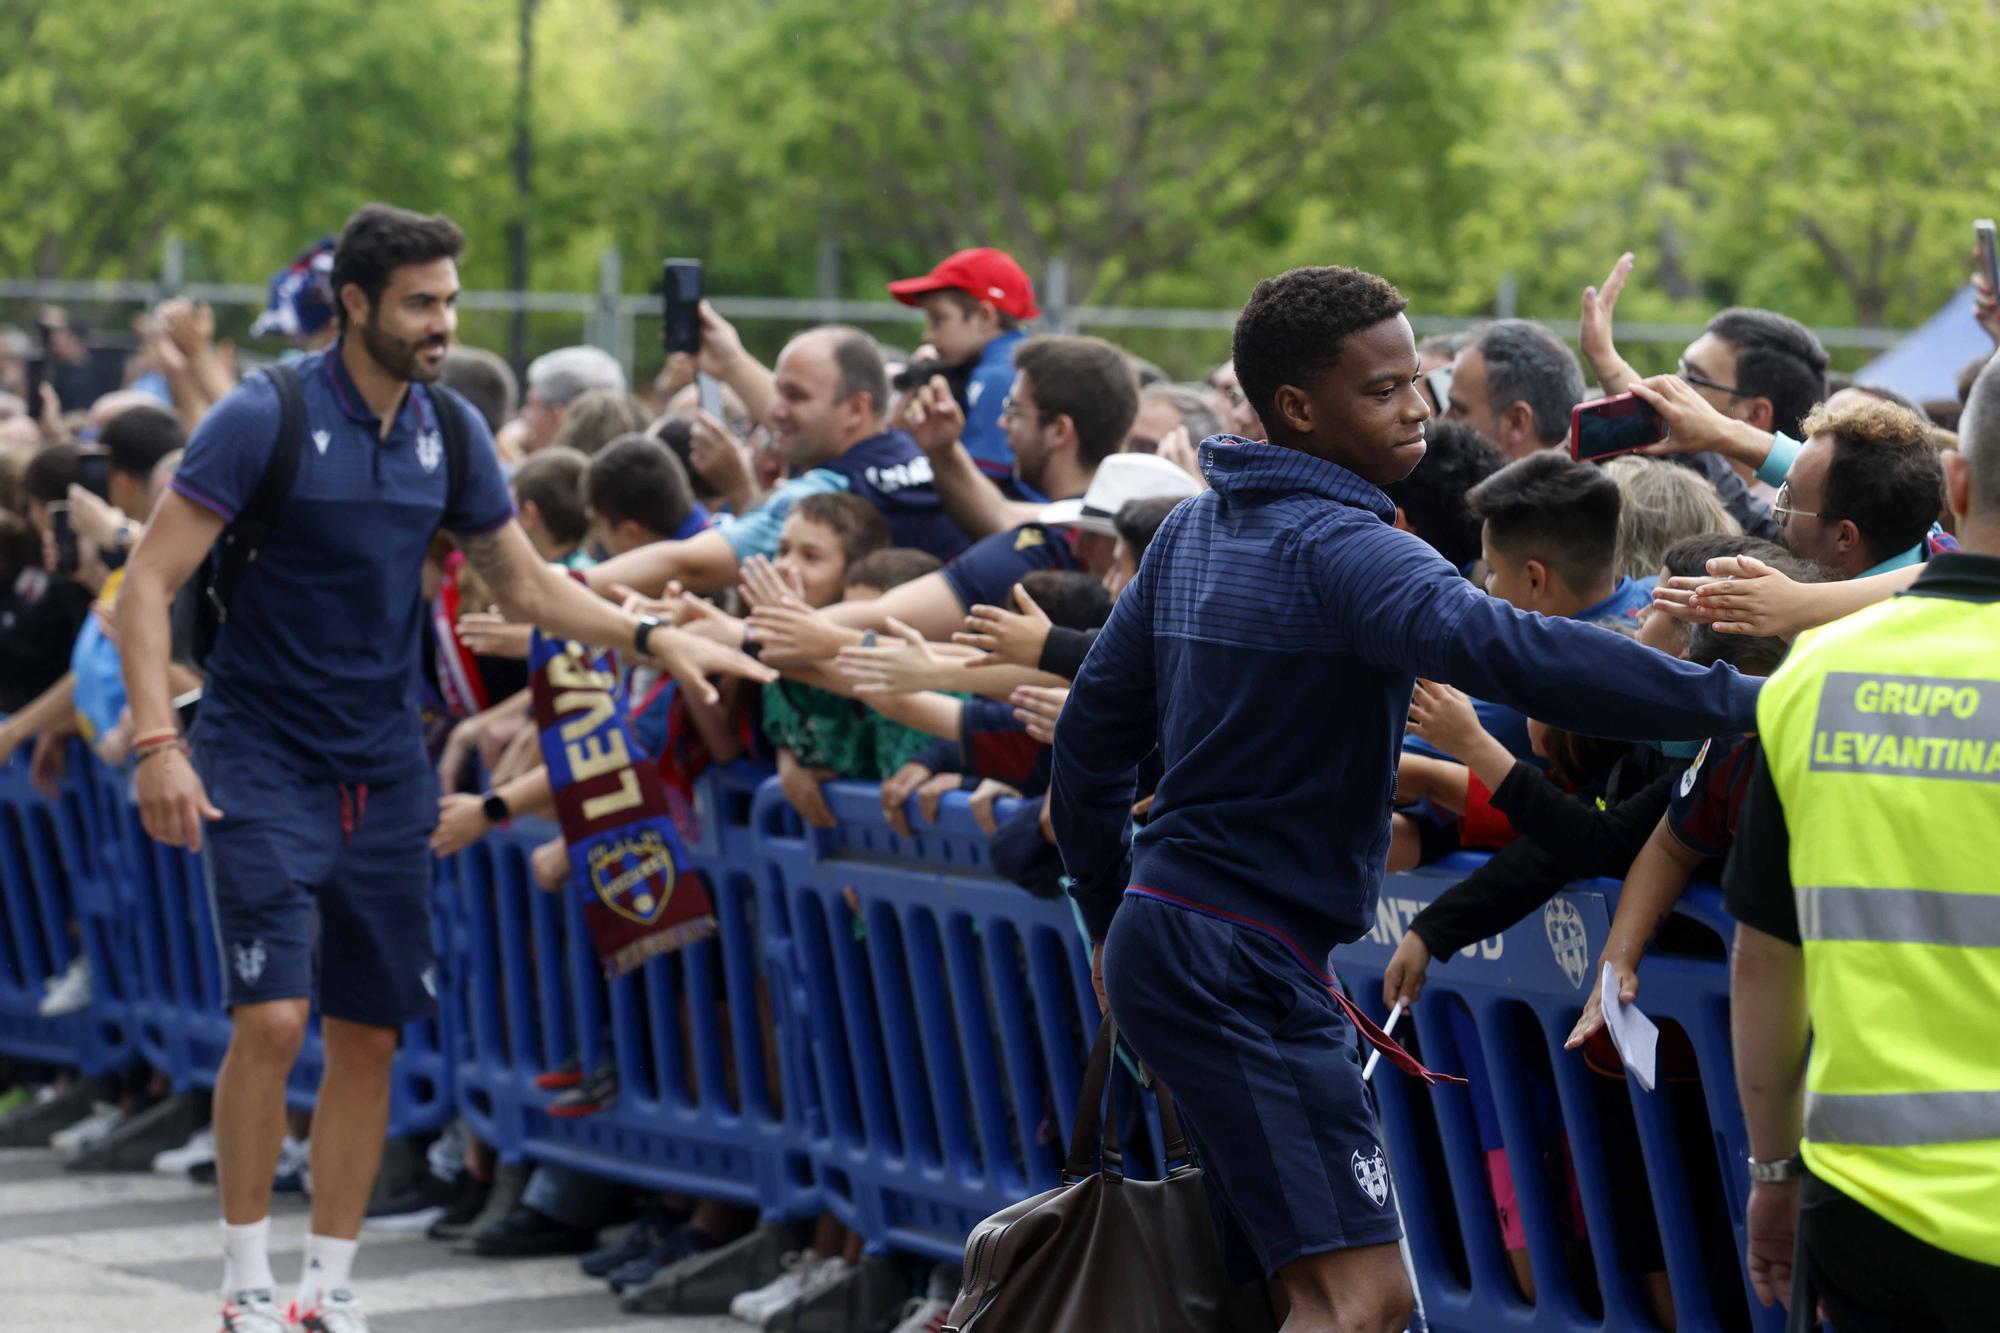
{"x":609,"y":317}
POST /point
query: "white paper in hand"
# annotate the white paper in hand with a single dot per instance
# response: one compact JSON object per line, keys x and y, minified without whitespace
{"x":1632,"y":1032}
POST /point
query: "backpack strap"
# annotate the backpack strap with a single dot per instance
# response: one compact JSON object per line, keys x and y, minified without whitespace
{"x":457,"y":446}
{"x":242,"y":538}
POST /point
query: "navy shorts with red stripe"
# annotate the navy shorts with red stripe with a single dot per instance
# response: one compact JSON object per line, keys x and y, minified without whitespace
{"x":1266,"y":1071}
{"x":319,"y":888}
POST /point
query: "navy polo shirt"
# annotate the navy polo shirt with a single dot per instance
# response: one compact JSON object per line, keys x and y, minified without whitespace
{"x":319,"y":657}
{"x":985,"y":572}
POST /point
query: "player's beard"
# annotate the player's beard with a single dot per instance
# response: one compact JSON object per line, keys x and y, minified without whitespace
{"x":399,"y":356}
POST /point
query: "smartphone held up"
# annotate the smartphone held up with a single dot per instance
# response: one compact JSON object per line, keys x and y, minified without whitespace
{"x":680,"y":322}
{"x":1607,"y":427}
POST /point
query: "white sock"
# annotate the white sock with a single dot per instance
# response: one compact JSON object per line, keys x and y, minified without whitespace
{"x":328,"y":1261}
{"x":246,"y":1258}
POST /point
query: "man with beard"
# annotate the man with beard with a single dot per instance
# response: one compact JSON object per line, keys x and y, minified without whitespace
{"x":308,"y":764}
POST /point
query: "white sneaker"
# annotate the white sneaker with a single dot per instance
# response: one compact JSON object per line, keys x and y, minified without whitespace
{"x":87,"y":1132}
{"x":69,"y":992}
{"x":781,"y":1292}
{"x":253,"y":1312}
{"x":922,"y":1314}
{"x":176,"y":1161}
{"x":337,"y":1312}
{"x":824,"y":1278}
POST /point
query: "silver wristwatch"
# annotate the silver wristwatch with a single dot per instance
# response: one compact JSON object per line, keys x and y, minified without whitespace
{"x":1775,"y":1173}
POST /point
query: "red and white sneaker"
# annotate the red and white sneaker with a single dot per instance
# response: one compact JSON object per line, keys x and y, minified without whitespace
{"x":337,"y":1312}
{"x":253,"y":1312}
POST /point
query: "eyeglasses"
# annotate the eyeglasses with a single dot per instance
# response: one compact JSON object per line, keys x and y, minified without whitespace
{"x":1702,"y":381}
{"x":1782,"y":507}
{"x":1009,"y":411}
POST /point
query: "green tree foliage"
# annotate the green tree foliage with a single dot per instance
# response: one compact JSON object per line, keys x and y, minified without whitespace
{"x":1820,"y":156}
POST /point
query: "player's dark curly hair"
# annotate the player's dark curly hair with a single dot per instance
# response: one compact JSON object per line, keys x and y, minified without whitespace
{"x":1290,"y":330}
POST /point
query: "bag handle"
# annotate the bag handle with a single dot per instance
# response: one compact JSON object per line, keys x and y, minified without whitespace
{"x":1089,"y":1127}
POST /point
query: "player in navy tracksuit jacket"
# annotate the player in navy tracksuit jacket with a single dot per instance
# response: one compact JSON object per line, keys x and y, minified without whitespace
{"x":1268,"y":648}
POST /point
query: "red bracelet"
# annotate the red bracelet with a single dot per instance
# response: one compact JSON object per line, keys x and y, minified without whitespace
{"x":141,"y":753}
{"x":161,"y":734}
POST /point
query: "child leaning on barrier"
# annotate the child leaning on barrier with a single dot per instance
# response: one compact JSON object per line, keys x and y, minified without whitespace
{"x":1592,"y":821}
{"x":819,"y":732}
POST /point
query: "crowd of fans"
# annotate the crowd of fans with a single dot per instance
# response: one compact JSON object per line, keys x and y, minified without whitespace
{"x":928,"y":565}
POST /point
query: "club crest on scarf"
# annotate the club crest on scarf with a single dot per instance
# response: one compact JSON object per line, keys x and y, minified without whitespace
{"x":624,"y":874}
{"x":628,"y":868}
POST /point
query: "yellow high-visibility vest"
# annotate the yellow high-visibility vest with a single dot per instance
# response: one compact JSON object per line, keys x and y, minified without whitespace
{"x":1882,"y":736}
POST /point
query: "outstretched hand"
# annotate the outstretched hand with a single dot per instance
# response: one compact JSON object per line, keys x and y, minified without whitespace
{"x":1740,"y":594}
{"x":1594,"y":335}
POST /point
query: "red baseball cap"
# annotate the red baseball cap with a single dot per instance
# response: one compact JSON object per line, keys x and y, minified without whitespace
{"x":983,"y":274}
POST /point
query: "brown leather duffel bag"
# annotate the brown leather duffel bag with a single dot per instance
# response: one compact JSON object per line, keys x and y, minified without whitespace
{"x":1103,"y":1254}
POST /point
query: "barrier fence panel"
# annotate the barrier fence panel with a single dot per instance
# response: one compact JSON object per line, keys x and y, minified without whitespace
{"x":948,"y":1014}
{"x":1622,"y":1195}
{"x":60,"y":904}
{"x":708,"y":1099}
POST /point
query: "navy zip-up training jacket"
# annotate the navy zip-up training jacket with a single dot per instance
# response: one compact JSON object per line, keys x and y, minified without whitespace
{"x":1269,"y":647}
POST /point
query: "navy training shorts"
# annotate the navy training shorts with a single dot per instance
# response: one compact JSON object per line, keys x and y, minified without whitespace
{"x":312,"y":881}
{"x":1265,"y":1070}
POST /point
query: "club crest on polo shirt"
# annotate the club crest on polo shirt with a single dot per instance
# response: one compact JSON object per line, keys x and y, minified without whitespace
{"x":1371,"y":1173}
{"x":250,"y":959}
{"x":321,"y":439}
{"x":430,"y":449}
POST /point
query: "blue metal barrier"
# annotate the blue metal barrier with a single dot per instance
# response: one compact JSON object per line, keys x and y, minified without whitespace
{"x":949,"y":1015}
{"x":709,"y":1100}
{"x":1524,"y":990}
{"x":54,"y":876}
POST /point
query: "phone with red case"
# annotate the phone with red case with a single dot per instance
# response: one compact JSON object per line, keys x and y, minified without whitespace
{"x":1607,"y":427}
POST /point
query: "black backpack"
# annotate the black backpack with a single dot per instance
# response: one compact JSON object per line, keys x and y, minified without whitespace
{"x":202,"y":606}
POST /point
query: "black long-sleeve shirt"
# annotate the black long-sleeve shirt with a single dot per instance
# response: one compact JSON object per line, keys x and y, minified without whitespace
{"x":1564,"y":837}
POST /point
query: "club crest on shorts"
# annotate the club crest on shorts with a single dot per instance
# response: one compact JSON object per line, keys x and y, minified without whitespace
{"x":430,"y":449}
{"x":634,"y":876}
{"x":1371,"y":1173}
{"x":1567,"y":939}
{"x":250,"y":959}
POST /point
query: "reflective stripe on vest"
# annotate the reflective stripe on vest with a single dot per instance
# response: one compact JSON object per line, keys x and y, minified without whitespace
{"x":1902,"y":1119}
{"x":1900,"y":916}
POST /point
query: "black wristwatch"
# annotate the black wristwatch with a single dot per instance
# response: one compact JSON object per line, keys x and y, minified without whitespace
{"x":495,"y":808}
{"x":647,"y":624}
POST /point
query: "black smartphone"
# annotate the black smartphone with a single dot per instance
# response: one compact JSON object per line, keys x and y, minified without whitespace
{"x":1608,"y":427}
{"x":37,"y":367}
{"x":65,"y":535}
{"x":680,"y":285}
{"x":94,"y":473}
{"x":1989,"y":253}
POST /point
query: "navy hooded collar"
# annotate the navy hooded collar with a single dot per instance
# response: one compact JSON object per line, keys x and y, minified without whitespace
{"x":1236,"y":466}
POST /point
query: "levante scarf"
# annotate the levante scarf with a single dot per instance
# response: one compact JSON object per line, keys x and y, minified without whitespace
{"x":627,"y":864}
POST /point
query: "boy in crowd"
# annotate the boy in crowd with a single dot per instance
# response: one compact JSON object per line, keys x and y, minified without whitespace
{"x":818,"y":734}
{"x":1549,"y":541}
{"x":974,"y":304}
{"x":548,"y":492}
